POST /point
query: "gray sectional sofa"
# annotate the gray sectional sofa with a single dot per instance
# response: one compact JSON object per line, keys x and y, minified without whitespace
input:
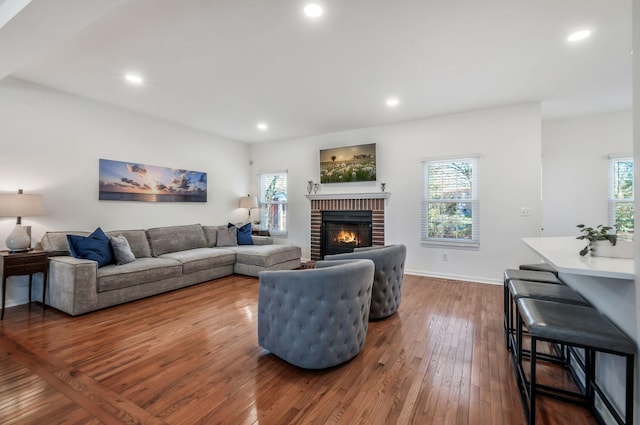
{"x":167,"y":258}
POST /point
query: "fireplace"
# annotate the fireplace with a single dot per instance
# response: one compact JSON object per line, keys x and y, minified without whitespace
{"x":373,"y":203}
{"x":342,"y":231}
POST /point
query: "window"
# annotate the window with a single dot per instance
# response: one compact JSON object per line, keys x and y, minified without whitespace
{"x":450,"y":208}
{"x":621,"y":195}
{"x":273,"y":200}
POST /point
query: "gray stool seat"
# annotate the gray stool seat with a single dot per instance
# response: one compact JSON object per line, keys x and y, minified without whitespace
{"x":529,"y":275}
{"x":517,"y":289}
{"x":573,"y":324}
{"x":539,"y":267}
{"x":576,"y":326}
{"x":525,"y":275}
{"x":544,"y":291}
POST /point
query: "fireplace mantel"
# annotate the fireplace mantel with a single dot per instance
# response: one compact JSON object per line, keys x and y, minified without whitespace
{"x":369,"y":195}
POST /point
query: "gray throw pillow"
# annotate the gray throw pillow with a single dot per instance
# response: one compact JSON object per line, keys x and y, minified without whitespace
{"x":121,"y":250}
{"x":227,"y":237}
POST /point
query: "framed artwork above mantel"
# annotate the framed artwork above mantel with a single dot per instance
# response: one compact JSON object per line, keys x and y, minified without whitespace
{"x":348,"y":164}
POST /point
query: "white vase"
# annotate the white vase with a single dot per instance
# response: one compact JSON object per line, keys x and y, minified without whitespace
{"x":18,"y":240}
{"x":622,"y":249}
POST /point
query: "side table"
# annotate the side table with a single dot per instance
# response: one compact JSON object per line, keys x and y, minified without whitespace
{"x":24,"y":263}
{"x":260,"y":232}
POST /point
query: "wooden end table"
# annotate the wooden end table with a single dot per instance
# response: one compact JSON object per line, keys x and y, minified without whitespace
{"x":260,"y":232}
{"x":24,"y":263}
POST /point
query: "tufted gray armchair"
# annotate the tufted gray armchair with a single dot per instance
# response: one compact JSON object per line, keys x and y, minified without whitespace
{"x":387,"y":281}
{"x":315,"y":318}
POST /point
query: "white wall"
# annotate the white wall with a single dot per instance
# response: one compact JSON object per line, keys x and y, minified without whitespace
{"x":51,"y":143}
{"x":575,"y":169}
{"x":509,"y":141}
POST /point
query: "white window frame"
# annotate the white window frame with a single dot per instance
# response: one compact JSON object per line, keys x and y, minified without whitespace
{"x":613,"y":201}
{"x":282,"y":205}
{"x":474,"y":242}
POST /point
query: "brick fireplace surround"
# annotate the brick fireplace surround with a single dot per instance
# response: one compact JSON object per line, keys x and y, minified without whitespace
{"x":374,"y":202}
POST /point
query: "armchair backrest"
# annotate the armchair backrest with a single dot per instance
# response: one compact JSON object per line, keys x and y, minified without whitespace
{"x":315,"y":318}
{"x":389,"y":272}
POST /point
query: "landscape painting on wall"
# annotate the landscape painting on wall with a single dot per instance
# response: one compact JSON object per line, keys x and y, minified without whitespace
{"x":348,"y":164}
{"x":130,"y":181}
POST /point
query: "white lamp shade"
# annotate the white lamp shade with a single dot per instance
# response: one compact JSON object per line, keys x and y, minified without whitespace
{"x":249,"y":202}
{"x":20,"y":205}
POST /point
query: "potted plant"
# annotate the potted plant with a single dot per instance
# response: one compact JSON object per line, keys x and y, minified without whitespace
{"x":600,"y":233}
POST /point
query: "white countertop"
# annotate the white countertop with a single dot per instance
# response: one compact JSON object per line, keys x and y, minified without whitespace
{"x":563,"y":254}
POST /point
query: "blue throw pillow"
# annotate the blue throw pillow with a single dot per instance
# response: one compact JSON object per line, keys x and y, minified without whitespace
{"x":94,"y":247}
{"x":244,"y":234}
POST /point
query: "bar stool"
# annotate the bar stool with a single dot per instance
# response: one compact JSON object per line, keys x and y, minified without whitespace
{"x":541,"y":291}
{"x":524,"y":275}
{"x":579,"y":327}
{"x":539,"y":267}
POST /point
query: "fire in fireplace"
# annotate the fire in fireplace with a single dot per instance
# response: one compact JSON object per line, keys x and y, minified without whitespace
{"x":342,"y":231}
{"x":347,"y":237}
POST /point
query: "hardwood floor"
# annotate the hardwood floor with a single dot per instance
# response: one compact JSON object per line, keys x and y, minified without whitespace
{"x":191,"y":357}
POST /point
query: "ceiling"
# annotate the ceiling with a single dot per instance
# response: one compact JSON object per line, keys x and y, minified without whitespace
{"x":222,"y":66}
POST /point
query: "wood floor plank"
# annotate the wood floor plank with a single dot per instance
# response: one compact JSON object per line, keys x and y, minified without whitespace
{"x":191,"y":357}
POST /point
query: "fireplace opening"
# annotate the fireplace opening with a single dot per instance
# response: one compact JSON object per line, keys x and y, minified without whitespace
{"x":343,"y":231}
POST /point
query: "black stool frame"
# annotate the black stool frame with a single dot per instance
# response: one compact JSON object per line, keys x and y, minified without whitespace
{"x":508,"y":327}
{"x":513,"y":345}
{"x":529,"y":389}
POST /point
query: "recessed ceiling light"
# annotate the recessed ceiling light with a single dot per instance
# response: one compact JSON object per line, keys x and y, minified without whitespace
{"x":262,"y":126}
{"x":313,"y":10}
{"x":392,"y":102}
{"x":134,"y":79}
{"x":579,"y":35}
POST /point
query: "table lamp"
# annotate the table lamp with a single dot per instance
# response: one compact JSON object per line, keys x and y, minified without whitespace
{"x":249,"y":202}
{"x":20,"y":205}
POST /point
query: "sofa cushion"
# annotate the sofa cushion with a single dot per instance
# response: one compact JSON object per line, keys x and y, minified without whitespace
{"x":194,"y":260}
{"x":95,"y":247}
{"x":142,"y":270}
{"x":211,"y":234}
{"x":265,"y":255}
{"x":55,"y":243}
{"x":176,"y":238}
{"x":121,"y":250}
{"x":137,"y":241}
{"x":227,"y":236}
{"x":243,"y":234}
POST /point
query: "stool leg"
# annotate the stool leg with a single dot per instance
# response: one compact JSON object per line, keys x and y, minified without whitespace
{"x":532,"y":383}
{"x":506,"y":313}
{"x":628,"y":410}
{"x":518,"y":347}
{"x":589,"y":375}
{"x":513,"y":311}
{"x":516,"y":355}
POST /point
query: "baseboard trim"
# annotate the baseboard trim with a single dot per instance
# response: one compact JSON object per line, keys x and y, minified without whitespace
{"x":474,"y":279}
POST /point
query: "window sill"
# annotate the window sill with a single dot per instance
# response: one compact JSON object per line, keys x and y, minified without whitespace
{"x":472,"y":245}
